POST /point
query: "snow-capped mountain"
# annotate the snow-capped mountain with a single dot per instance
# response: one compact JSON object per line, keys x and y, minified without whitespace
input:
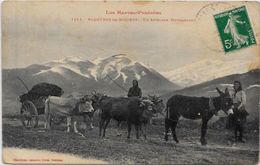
{"x":205,"y":70}
{"x":117,"y":66}
{"x":102,"y":74}
{"x":73,"y":63}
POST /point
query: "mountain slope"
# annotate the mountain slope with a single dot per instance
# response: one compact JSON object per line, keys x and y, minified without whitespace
{"x":250,"y":81}
{"x":205,"y":70}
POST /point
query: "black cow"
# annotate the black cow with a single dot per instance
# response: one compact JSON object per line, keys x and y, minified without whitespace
{"x":195,"y":108}
{"x":122,"y":109}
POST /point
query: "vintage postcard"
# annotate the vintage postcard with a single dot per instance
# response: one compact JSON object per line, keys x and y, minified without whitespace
{"x":133,"y":82}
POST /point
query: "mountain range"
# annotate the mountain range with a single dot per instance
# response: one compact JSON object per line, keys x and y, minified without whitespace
{"x":74,"y":74}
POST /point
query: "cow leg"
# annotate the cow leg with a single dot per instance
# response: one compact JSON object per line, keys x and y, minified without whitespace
{"x":167,"y":127}
{"x":145,"y":130}
{"x":85,"y":122}
{"x":204,"y":128}
{"x":173,"y":128}
{"x":101,"y":124}
{"x":91,"y":120}
{"x":47,"y":115}
{"x":45,"y":124}
{"x":128,"y":129}
{"x":49,"y":122}
{"x":46,"y":121}
{"x":75,"y":127}
{"x":91,"y":123}
{"x":141,"y":130}
{"x":118,"y":128}
{"x":137,"y":130}
{"x":90,"y":116}
{"x":105,"y":127}
{"x":68,"y":124}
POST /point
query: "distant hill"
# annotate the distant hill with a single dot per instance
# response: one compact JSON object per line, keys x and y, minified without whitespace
{"x":250,"y":81}
{"x":206,"y":70}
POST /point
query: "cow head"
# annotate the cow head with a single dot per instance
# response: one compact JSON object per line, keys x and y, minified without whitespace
{"x":226,"y":102}
{"x":147,"y":108}
{"x":146,"y":104}
{"x":97,"y":98}
{"x":158,"y":105}
{"x":85,"y":104}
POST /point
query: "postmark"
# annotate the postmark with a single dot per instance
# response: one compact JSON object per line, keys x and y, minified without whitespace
{"x":235,"y":29}
{"x":206,"y":25}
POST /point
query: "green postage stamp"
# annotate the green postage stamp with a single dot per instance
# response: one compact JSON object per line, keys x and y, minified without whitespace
{"x":235,"y":29}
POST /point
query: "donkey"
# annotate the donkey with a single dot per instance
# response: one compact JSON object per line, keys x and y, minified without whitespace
{"x":195,"y":108}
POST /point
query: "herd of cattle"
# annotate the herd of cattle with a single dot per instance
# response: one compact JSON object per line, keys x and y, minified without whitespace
{"x":133,"y":110}
{"x":136,"y":111}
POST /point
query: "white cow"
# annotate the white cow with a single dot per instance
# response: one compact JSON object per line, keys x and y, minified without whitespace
{"x":67,"y":107}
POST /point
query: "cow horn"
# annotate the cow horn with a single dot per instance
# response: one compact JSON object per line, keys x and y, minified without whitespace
{"x":93,"y":92}
{"x":142,"y":104}
{"x":151,"y":97}
{"x":147,"y":101}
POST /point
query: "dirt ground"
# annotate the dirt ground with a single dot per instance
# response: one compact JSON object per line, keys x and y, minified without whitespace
{"x":154,"y":150}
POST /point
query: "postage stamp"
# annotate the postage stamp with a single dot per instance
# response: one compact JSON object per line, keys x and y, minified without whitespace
{"x":235,"y":29}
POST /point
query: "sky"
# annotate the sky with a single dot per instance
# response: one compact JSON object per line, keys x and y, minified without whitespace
{"x":39,"y":32}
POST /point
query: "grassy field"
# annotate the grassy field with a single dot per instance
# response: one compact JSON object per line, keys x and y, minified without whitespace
{"x":114,"y":149}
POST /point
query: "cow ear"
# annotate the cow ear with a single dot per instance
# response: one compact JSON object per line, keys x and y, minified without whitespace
{"x":219,"y":91}
{"x":81,"y":100}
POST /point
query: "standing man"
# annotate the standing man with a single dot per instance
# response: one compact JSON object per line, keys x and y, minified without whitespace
{"x":135,"y":91}
{"x":240,"y":113}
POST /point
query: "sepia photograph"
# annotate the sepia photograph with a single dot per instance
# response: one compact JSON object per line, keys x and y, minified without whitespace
{"x":130,"y":82}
